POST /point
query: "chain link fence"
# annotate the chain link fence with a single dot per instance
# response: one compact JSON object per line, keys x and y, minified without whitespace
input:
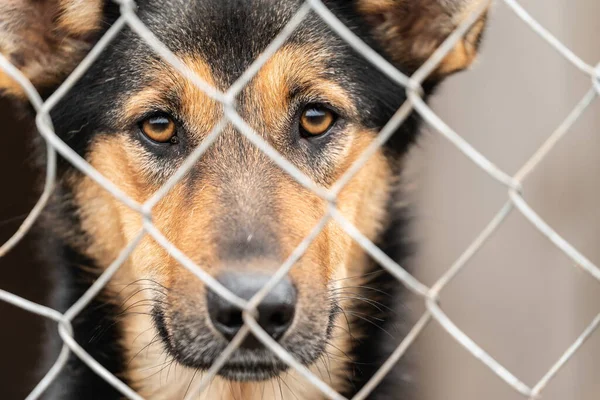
{"x":430,"y":295}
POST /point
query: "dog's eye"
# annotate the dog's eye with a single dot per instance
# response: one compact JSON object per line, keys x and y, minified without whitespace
{"x":160,"y":128}
{"x":316,"y":120}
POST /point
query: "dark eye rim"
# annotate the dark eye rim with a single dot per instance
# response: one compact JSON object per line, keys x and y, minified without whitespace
{"x":307,"y":135}
{"x":158,"y":114}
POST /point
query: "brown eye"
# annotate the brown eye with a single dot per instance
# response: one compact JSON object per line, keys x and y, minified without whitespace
{"x":316,"y":120}
{"x":160,"y":129}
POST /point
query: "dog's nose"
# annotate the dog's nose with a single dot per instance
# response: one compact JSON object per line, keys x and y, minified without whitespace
{"x":275,"y":312}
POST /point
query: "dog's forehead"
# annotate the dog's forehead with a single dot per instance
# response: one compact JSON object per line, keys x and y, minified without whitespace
{"x":228,"y":34}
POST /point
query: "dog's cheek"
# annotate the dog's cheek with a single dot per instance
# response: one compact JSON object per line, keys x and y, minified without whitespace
{"x":363,"y":203}
{"x":109,"y":225}
{"x":334,"y":255}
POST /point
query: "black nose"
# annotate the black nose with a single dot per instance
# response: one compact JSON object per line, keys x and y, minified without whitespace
{"x":275,"y":312}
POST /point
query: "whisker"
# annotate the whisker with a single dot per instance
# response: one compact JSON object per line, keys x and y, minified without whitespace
{"x":340,"y":310}
{"x":140,"y":334}
{"x":360,"y":287}
{"x":190,"y":384}
{"x":280,"y":389}
{"x":374,"y":303}
{"x":340,"y":350}
{"x":155,"y":339}
{"x":158,"y":372}
{"x":380,"y":271}
{"x":289,"y":389}
{"x":359,"y":316}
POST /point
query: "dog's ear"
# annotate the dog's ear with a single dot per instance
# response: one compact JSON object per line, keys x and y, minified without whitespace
{"x":45,"y":39}
{"x":409,"y":31}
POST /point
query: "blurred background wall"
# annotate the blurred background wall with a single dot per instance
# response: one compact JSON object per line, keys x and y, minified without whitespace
{"x":519,"y":298}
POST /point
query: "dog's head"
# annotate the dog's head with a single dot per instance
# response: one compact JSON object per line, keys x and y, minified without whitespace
{"x":236,"y":213}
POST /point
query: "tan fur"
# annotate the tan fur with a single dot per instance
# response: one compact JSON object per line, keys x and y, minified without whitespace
{"x":200,"y":108}
{"x":300,"y":66}
{"x":79,"y":17}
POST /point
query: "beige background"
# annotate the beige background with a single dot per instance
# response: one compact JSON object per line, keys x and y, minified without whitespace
{"x":520,"y":298}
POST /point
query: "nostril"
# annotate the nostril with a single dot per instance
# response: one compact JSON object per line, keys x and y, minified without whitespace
{"x":276,"y":312}
{"x":281,"y":318}
{"x":275,"y":320}
{"x":226,"y":318}
{"x":230,"y":318}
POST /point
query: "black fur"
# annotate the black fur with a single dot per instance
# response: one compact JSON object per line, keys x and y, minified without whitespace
{"x":96,"y":328}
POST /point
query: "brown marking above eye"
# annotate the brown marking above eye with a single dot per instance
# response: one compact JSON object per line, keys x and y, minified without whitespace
{"x":299,"y":69}
{"x":315,"y":120}
{"x":200,"y":112}
{"x":159,"y":128}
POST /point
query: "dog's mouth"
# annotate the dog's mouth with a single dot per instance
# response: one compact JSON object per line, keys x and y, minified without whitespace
{"x":244,"y":367}
{"x":236,"y":372}
{"x":250,"y":362}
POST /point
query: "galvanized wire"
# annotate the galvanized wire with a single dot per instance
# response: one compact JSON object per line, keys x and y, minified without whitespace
{"x":414,"y":103}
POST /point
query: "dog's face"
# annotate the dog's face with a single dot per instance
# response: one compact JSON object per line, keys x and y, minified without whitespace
{"x":235,"y":214}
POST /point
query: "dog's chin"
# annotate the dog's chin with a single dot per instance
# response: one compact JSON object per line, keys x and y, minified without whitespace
{"x":251,"y":372}
{"x":243,"y":366}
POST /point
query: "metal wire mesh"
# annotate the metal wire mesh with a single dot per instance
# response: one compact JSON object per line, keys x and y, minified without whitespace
{"x":414,"y":102}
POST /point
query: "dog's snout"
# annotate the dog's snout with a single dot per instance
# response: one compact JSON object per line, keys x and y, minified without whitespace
{"x":275,"y":312}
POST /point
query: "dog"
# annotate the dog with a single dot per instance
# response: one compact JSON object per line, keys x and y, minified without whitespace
{"x":236,"y":214}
